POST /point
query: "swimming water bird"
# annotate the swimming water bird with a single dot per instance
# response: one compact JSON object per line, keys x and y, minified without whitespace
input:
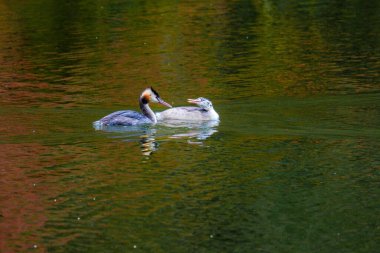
{"x":204,"y":111}
{"x":132,"y":118}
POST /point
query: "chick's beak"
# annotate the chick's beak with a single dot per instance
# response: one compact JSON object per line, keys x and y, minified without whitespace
{"x":193,"y":101}
{"x":164,"y":103}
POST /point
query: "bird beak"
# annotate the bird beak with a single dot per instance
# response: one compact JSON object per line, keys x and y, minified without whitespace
{"x":193,"y":101}
{"x":164,"y":103}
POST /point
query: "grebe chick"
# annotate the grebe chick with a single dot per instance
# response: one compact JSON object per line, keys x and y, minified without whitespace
{"x":132,"y":118}
{"x":205,"y":111}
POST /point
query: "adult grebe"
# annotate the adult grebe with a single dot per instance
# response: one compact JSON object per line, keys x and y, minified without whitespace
{"x":132,"y":118}
{"x":205,"y":111}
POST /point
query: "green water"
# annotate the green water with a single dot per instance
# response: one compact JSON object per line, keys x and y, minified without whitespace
{"x":293,"y":165}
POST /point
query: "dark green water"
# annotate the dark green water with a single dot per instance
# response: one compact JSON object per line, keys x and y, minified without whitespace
{"x":293,"y":165}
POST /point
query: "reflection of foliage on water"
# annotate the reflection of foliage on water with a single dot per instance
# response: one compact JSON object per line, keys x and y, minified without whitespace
{"x":82,"y":52}
{"x":289,"y":160}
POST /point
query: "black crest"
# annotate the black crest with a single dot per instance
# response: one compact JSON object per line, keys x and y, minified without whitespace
{"x":154,"y":92}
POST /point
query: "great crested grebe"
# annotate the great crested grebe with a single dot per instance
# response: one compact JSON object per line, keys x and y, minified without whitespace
{"x":132,"y":118}
{"x":205,"y":111}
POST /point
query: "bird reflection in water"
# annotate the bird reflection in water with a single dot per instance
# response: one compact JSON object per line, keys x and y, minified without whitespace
{"x":198,"y":130}
{"x":174,"y":129}
{"x":148,"y":142}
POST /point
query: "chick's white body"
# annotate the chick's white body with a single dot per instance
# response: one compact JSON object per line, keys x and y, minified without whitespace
{"x":204,"y":112}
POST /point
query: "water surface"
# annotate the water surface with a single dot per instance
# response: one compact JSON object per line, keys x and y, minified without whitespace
{"x":293,"y":165}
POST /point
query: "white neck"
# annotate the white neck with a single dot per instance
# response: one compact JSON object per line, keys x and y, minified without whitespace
{"x":148,"y":112}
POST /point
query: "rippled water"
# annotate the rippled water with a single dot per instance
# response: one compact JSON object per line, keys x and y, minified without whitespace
{"x":293,"y":165}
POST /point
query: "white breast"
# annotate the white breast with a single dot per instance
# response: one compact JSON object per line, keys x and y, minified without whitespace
{"x":187,"y":113}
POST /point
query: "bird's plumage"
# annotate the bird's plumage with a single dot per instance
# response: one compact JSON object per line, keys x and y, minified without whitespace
{"x":132,"y":118}
{"x":205,"y":111}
